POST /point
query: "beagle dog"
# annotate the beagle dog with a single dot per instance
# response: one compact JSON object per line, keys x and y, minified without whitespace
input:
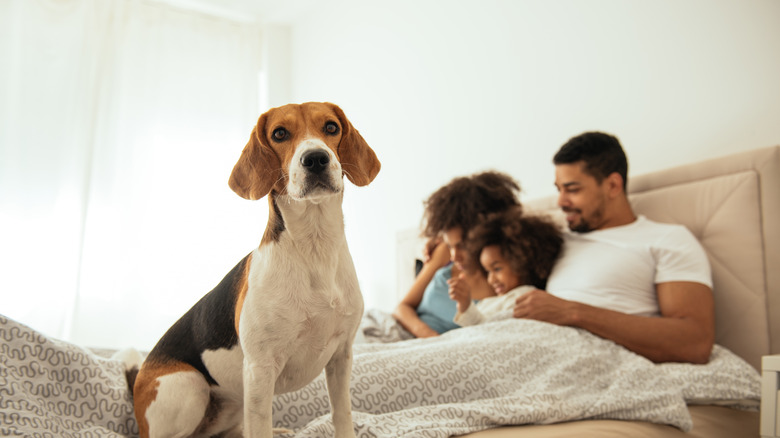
{"x":288,"y":309}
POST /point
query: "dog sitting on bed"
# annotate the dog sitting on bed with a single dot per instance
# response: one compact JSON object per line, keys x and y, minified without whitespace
{"x":288,"y":309}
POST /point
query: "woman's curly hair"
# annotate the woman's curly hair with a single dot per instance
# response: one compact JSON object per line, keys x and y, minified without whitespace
{"x":466,"y":201}
{"x":530,"y":244}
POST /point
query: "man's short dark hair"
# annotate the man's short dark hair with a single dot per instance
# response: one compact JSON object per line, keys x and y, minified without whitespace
{"x":601,"y":154}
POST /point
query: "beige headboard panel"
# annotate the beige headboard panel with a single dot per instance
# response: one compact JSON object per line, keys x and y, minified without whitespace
{"x":732,"y":205}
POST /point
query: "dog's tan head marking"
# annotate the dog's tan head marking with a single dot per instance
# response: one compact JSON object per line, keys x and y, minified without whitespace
{"x":265,"y":163}
{"x":359,"y":161}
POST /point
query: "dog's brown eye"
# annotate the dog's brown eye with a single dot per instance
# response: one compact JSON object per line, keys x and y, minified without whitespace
{"x":279,"y":134}
{"x":331,"y":128}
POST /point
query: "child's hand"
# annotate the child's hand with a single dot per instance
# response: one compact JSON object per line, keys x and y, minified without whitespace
{"x":460,"y":292}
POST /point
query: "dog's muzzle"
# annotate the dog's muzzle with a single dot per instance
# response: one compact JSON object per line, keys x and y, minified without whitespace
{"x":315,"y":162}
{"x":316,"y":165}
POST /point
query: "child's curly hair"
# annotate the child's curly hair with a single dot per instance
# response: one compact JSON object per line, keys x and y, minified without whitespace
{"x":466,"y":200}
{"x":530,"y":244}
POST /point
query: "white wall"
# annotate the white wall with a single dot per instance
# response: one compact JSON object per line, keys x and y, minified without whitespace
{"x":441,"y":89}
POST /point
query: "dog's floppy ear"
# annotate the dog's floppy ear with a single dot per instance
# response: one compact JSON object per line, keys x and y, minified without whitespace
{"x":358,"y":161}
{"x":258,"y":168}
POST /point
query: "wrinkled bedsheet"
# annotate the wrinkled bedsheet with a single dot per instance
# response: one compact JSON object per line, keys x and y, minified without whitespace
{"x":500,"y":373}
{"x":50,"y":388}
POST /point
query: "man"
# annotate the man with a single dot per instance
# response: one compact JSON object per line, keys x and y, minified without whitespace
{"x":644,"y":285}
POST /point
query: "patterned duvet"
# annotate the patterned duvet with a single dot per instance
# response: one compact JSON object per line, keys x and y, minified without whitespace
{"x":505,"y":372}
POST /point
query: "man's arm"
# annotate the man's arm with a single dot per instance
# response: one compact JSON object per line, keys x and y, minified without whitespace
{"x":684,"y":332}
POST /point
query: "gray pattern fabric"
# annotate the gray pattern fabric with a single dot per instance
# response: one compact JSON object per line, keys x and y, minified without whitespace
{"x":380,"y":327}
{"x":50,"y":388}
{"x":499,"y":373}
{"x":514,"y":372}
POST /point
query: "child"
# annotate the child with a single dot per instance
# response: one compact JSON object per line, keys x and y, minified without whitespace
{"x":516,"y":253}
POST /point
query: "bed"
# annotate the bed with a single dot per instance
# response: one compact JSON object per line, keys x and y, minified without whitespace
{"x":731,"y":204}
{"x":508,"y":377}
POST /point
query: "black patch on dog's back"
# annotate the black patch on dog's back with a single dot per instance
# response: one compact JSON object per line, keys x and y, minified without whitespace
{"x":208,"y":325}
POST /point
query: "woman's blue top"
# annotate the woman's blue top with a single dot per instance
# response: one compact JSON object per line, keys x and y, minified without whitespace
{"x":436,"y":308}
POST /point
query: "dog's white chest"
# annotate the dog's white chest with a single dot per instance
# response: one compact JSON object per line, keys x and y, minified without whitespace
{"x":299,"y":313}
{"x":312,"y":349}
{"x":295,"y":344}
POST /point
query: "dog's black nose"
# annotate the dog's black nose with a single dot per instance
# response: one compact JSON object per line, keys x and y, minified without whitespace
{"x":315,"y":161}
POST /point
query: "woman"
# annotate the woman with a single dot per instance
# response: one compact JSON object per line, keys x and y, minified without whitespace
{"x":450,"y":213}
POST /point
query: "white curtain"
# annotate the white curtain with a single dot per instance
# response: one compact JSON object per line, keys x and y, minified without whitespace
{"x":120,"y":121}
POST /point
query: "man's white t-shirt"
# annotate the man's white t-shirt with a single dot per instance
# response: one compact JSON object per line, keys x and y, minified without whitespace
{"x":617,"y":268}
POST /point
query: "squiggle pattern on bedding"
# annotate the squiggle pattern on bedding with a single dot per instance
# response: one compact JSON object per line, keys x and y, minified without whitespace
{"x":50,"y":388}
{"x":500,"y":373}
{"x":514,"y":372}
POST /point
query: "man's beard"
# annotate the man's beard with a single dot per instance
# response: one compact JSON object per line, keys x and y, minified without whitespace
{"x":580,"y":227}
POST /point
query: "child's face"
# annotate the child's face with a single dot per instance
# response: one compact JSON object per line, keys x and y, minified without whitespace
{"x":501,"y":277}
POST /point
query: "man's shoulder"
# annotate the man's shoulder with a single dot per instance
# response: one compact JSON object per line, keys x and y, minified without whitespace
{"x":668,"y":238}
{"x":643,"y":220}
{"x":643,"y":231}
{"x":663,"y":228}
